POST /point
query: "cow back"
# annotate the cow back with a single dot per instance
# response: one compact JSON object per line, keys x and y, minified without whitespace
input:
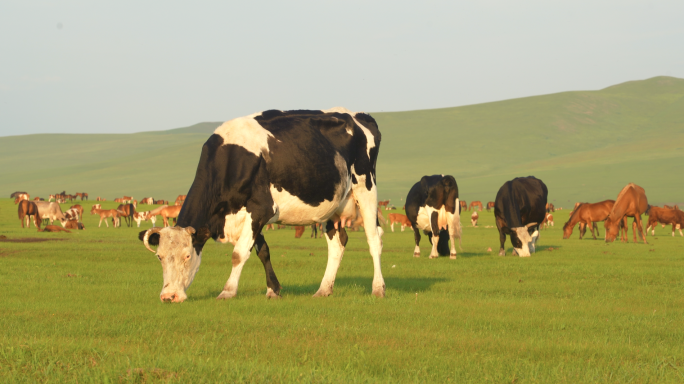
{"x":521,"y":201}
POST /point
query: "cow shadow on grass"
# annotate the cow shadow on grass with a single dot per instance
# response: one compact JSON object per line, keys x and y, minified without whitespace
{"x":363,"y":285}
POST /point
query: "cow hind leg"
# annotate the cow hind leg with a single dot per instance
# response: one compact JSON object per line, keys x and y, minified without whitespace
{"x":434,"y":253}
{"x":337,"y":240}
{"x":368,"y":207}
{"x":502,"y":240}
{"x":416,"y":236}
{"x":262,"y":251}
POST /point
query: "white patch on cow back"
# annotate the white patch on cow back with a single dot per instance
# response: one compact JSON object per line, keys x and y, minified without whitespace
{"x":245,"y":132}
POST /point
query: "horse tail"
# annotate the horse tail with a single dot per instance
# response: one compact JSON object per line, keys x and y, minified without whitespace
{"x":20,"y":211}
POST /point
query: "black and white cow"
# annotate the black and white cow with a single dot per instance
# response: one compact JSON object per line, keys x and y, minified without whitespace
{"x":519,"y":208}
{"x":432,"y":206}
{"x":293,"y":167}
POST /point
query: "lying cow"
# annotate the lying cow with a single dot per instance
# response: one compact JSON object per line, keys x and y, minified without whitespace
{"x":296,"y":168}
{"x":398,"y":218}
{"x":431,"y":206}
{"x":519,"y":207}
{"x":72,"y":224}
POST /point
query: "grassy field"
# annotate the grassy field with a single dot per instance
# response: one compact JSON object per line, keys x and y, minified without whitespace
{"x":585,"y":145}
{"x":84,"y":307}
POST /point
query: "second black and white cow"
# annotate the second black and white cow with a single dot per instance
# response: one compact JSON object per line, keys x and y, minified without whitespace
{"x":432,"y":206}
{"x":295,"y":168}
{"x":519,"y":208}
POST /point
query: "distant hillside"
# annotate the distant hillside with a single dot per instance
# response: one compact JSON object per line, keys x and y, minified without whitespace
{"x":585,"y":145}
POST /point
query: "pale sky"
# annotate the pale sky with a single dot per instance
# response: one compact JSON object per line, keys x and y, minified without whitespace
{"x":131,"y":66}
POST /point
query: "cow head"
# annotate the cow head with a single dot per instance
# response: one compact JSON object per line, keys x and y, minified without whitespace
{"x":180,"y":253}
{"x":524,"y":243}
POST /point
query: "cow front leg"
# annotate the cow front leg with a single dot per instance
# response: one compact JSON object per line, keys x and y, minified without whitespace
{"x":502,"y":240}
{"x":241,"y":252}
{"x":262,"y":251}
{"x":337,"y":240}
{"x":416,"y":236}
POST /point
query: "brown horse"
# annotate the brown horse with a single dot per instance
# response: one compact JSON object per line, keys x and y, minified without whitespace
{"x":126,"y":211}
{"x":550,"y":208}
{"x":26,"y":210}
{"x":475,"y":204}
{"x":664,"y":216}
{"x":631,"y":202}
{"x":586,"y":214}
{"x":464,"y":205}
{"x":104,"y":214}
{"x":490,"y":205}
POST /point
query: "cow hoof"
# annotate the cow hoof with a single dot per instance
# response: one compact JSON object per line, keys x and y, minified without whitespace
{"x":270,"y":294}
{"x":322,"y":293}
{"x":226,"y":295}
{"x":502,"y":253}
{"x":434,"y":256}
{"x":416,"y":255}
{"x":452,"y":256}
{"x":380,"y":292}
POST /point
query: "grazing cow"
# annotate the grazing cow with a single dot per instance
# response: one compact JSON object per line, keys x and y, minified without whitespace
{"x":147,"y":200}
{"x":53,"y":228}
{"x":664,"y":216}
{"x":548,"y":221}
{"x":631,"y":202}
{"x":475,"y":204}
{"x":398,"y":218}
{"x":79,"y":208}
{"x":49,"y":211}
{"x":72,"y":224}
{"x":170,"y":212}
{"x":296,"y":168}
{"x":473,"y":219}
{"x":431,"y":206}
{"x":126,"y":211}
{"x":383,"y":203}
{"x":586,"y":215}
{"x":148,"y":215}
{"x":490,"y":205}
{"x":104,"y":214}
{"x":27,"y":209}
{"x":519,"y":208}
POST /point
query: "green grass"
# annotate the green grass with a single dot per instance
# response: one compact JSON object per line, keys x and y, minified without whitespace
{"x":585,"y":145}
{"x":87,"y":309}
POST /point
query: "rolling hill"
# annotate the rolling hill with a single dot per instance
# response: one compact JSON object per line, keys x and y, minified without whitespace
{"x":585,"y":145}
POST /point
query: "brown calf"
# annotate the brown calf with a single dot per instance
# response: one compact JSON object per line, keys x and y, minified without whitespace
{"x":104,"y":214}
{"x":398,"y":218}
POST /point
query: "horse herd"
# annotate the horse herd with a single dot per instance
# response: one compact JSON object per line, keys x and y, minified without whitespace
{"x":43,"y":212}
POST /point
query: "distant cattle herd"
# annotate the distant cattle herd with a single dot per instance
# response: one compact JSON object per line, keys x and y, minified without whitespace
{"x":317,"y":168}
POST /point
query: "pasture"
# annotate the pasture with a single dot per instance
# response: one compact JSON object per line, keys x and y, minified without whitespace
{"x":85,"y":307}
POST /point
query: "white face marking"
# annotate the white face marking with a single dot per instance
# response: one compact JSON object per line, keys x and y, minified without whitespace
{"x":175,"y":245}
{"x":526,"y":240}
{"x":245,"y":132}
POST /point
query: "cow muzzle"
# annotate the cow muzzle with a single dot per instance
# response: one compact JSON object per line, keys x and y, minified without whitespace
{"x":172,"y":297}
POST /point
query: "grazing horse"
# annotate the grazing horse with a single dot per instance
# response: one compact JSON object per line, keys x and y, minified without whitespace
{"x":490,"y":205}
{"x":147,"y":200}
{"x":170,"y":212}
{"x":474,"y":204}
{"x":104,"y":214}
{"x":464,"y":206}
{"x":664,"y":216}
{"x":586,"y":214}
{"x":126,"y":211}
{"x":27,"y":209}
{"x":631,"y":202}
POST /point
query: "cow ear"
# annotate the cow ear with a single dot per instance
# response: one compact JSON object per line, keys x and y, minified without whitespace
{"x":153,"y":240}
{"x":201,"y":236}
